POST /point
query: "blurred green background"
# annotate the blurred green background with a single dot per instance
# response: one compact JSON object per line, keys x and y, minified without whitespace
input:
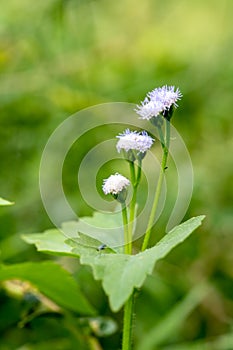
{"x":60,"y":56}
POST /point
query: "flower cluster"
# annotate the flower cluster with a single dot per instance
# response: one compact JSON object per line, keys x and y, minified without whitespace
{"x":134,"y":141}
{"x":157,"y":105}
{"x":158,"y":101}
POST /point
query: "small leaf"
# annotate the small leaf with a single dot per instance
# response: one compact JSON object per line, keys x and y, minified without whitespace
{"x":121,"y":273}
{"x":88,"y":243}
{"x":53,"y":281}
{"x":5,"y":202}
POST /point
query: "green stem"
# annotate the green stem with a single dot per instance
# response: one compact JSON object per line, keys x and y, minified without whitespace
{"x":165,"y":145}
{"x":127,"y":241}
{"x":132,"y":205}
{"x":128,"y":307}
{"x":168,"y":137}
{"x":139,"y":172}
{"x":128,"y":232}
{"x":135,"y":181}
{"x":132,"y":172}
{"x":128,"y":319}
{"x":131,"y":218}
{"x":162,"y":140}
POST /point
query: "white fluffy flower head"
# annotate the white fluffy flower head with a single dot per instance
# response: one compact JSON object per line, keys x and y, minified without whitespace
{"x":133,"y":140}
{"x":158,"y":101}
{"x":149,"y":109}
{"x":114,"y":184}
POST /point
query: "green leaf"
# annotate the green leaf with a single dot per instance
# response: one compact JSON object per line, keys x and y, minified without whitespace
{"x":55,"y":243}
{"x":53,"y":281}
{"x":104,"y":227}
{"x":51,"y":241}
{"x":121,"y":273}
{"x":5,"y":202}
{"x":87,"y":243}
{"x":59,"y":242}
